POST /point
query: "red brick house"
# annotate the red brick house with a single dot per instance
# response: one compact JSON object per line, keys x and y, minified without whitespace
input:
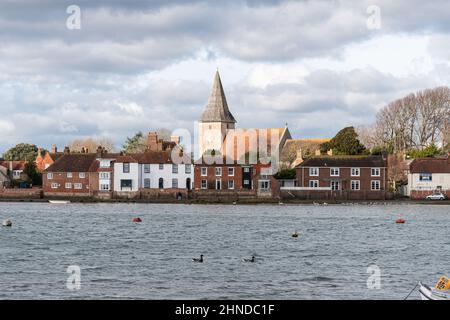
{"x":341,"y":178}
{"x":80,"y":174}
{"x":46,"y":159}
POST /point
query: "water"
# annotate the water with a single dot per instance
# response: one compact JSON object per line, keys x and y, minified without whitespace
{"x":152,"y":259}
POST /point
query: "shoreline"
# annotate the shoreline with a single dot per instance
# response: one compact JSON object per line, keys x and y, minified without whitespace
{"x":403,"y":201}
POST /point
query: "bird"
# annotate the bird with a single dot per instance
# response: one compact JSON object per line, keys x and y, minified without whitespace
{"x":249,"y":260}
{"x":295,"y":234}
{"x":198,"y":259}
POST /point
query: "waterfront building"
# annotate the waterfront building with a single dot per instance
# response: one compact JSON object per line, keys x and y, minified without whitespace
{"x":45,"y":159}
{"x":427,"y":176}
{"x":340,"y":178}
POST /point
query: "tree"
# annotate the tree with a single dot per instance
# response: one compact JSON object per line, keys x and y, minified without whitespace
{"x":22,"y":151}
{"x":33,"y":174}
{"x":91,"y":144}
{"x":135,"y":144}
{"x":345,"y":142}
{"x":429,"y":152}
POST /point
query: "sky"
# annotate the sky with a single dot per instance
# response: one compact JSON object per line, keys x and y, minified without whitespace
{"x":128,"y":66}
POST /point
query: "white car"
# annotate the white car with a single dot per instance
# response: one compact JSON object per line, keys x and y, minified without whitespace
{"x":436,"y":196}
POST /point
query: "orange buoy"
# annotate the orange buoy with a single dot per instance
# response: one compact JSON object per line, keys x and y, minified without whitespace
{"x":400,"y":221}
{"x":137,"y":219}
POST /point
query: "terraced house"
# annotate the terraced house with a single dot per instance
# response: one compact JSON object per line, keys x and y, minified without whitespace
{"x":340,"y":178}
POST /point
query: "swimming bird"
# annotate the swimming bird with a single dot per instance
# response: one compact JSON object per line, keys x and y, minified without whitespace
{"x":198,"y":259}
{"x":249,"y":260}
{"x":295,"y":234}
{"x":7,"y":223}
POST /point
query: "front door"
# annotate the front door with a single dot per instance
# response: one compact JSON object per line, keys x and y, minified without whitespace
{"x":218,"y":184}
{"x":188,"y":183}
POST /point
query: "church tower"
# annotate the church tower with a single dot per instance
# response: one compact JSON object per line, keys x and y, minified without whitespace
{"x":216,"y":120}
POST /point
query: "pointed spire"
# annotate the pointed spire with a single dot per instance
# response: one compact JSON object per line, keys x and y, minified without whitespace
{"x":217,"y":107}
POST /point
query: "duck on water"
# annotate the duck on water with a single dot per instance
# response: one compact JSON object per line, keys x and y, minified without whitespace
{"x":198,"y":259}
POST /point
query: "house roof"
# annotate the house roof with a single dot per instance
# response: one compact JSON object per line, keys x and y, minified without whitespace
{"x":152,"y":157}
{"x":74,"y":162}
{"x":238,"y":142}
{"x":310,"y":145}
{"x":16,"y":164}
{"x":344,"y":161}
{"x":217,"y":108}
{"x":430,"y":165}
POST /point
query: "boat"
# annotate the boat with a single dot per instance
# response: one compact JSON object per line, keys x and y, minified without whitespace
{"x":427,"y":293}
{"x":59,"y":201}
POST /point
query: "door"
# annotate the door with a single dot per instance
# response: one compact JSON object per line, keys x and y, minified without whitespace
{"x":188,"y":183}
{"x":161,"y":183}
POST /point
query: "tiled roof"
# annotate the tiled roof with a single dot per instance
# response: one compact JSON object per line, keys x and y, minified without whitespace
{"x":345,"y":161}
{"x":270,"y":136}
{"x":430,"y":165}
{"x":74,"y":162}
{"x":16,"y":164}
{"x":217,"y":108}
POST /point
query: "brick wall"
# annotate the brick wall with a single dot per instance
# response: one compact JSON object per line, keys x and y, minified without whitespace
{"x":61,"y":179}
{"x":211,"y":177}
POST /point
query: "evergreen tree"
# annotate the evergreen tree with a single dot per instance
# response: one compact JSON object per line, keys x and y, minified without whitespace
{"x":345,"y":142}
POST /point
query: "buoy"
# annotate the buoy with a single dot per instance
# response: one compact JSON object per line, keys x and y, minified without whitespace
{"x":7,"y":223}
{"x":295,"y":234}
{"x":400,"y":221}
{"x":137,"y":219}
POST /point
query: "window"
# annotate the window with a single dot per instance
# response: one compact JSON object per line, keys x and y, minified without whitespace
{"x":230,"y":184}
{"x":187,"y":168}
{"x":204,"y":184}
{"x":375,"y":185}
{"x":68,"y":185}
{"x":246,"y":182}
{"x":82,"y":175}
{"x":313,"y":183}
{"x":355,"y":185}
{"x":174,"y":168}
{"x":127,"y":184}
{"x":54,"y":185}
{"x":425,"y":177}
{"x":16,"y":173}
{"x":231,"y":172}
{"x":174,"y":183}
{"x":375,"y":172}
{"x":77,"y":186}
{"x":147,"y":168}
{"x":334,"y":172}
{"x":147,"y":183}
{"x":204,"y":171}
{"x":104,"y":175}
{"x":161,"y":166}
{"x":334,"y":184}
{"x":50,"y":176}
{"x":313,"y":171}
{"x":69,"y":174}
{"x":264,"y":185}
{"x":246,"y":169}
{"x":105,"y":164}
{"x":218,"y":171}
{"x":355,"y":172}
{"x":104,"y":187}
{"x":126,"y":167}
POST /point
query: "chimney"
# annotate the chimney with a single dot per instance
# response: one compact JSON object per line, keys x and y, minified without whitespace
{"x":39,"y":151}
{"x":152,"y":141}
{"x":330,"y":152}
{"x":66,"y":150}
{"x":317,"y":152}
{"x":82,"y":150}
{"x":175,"y":139}
{"x":54,"y":148}
{"x":99,"y":151}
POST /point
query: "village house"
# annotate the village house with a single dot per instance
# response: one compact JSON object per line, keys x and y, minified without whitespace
{"x":427,"y":176}
{"x":80,"y":175}
{"x":12,"y":172}
{"x":46,"y":159}
{"x":153,"y":174}
{"x":340,"y":178}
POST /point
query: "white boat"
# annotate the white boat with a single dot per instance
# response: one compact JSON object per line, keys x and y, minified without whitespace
{"x":427,"y":293}
{"x":59,"y":201}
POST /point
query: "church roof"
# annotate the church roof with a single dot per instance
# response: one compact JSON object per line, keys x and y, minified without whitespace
{"x":217,"y":107}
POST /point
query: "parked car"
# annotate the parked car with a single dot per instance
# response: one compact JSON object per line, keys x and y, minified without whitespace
{"x":436,"y":196}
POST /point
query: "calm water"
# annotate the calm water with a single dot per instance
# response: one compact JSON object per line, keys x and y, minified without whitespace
{"x":152,"y":259}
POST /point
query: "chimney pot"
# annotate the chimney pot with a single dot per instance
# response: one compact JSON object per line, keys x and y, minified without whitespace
{"x":54,"y":148}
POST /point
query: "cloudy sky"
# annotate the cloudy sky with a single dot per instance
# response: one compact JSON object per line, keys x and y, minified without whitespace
{"x":141,"y":65}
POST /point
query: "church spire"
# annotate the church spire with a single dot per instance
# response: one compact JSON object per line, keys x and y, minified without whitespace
{"x":217,"y":107}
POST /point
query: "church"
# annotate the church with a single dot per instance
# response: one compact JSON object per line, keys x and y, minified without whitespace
{"x":217,"y":131}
